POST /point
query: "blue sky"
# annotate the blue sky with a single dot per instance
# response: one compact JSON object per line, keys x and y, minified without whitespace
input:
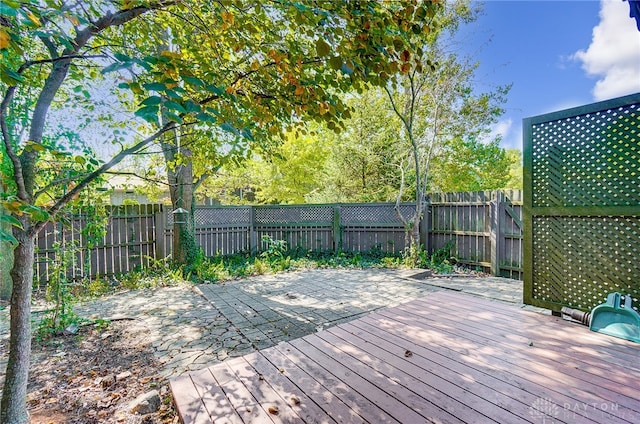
{"x":557,"y":54}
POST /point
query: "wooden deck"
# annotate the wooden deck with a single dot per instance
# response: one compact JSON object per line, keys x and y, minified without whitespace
{"x":447,"y":358}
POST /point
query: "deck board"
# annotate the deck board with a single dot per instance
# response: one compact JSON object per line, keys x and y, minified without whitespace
{"x":471,"y":360}
{"x":524,"y":360}
{"x":342,"y":387}
{"x":322,"y":395}
{"x":535,"y":358}
{"x":214,"y":399}
{"x":440,"y":392}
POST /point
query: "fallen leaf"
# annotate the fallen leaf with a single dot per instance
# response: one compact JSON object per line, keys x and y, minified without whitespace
{"x":408,"y":354}
{"x":295,"y":400}
{"x":281,"y":370}
{"x":274,"y":410}
{"x":260,"y":377}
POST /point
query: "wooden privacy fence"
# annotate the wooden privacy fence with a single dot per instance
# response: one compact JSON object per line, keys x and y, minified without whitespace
{"x":482,"y":228}
{"x":582,"y":209}
{"x":485,"y":228}
{"x":128,"y":242}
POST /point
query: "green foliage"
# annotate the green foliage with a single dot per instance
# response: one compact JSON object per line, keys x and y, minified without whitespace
{"x":160,"y":274}
{"x":275,"y":249}
{"x":466,"y":164}
{"x":362,"y":165}
{"x":6,"y":221}
{"x":94,"y":287}
{"x":440,"y":261}
{"x":514,"y":156}
{"x":294,"y":173}
{"x":58,"y":293}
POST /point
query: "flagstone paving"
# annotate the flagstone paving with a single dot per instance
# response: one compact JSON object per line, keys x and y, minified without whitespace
{"x":192,"y":327}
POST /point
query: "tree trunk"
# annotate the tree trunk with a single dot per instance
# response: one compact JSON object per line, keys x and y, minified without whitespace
{"x":181,"y":190}
{"x":415,"y":232}
{"x":184,"y":243}
{"x":14,"y":395}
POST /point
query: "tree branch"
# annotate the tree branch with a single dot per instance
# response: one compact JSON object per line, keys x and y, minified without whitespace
{"x":142,"y":177}
{"x":30,"y":63}
{"x":103,"y":169}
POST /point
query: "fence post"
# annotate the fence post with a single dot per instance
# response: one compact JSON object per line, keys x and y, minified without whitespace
{"x":337,"y":229}
{"x":425,"y":227}
{"x":160,"y":219}
{"x":497,"y":212}
{"x":253,"y":235}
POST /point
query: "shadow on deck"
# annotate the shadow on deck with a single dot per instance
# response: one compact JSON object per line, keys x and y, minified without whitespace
{"x":447,"y":357}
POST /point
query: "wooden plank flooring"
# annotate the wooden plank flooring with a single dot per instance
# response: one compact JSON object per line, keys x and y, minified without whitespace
{"x":445,"y":358}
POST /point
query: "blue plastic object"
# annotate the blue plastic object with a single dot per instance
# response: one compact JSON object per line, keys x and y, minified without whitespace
{"x":616,"y":317}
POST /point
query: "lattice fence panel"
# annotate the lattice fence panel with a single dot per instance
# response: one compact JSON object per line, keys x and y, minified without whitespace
{"x":588,"y":160}
{"x":577,"y":257}
{"x":213,"y":216}
{"x":292,"y":214}
{"x":374,"y":213}
{"x":582,"y":191}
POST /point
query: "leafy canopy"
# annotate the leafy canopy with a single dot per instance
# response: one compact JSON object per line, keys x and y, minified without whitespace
{"x":251,"y":69}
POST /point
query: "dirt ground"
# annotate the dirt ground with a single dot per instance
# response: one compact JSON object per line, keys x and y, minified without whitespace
{"x":93,"y":376}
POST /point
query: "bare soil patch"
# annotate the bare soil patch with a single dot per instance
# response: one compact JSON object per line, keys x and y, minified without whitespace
{"x":93,"y":377}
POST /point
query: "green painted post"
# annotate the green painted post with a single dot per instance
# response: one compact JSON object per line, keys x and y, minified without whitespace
{"x":527,"y":206}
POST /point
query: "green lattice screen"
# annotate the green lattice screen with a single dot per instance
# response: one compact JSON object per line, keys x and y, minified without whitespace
{"x":582,"y":204}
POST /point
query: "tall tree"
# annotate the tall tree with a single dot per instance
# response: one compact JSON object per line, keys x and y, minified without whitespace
{"x":292,"y":175}
{"x":436,"y":104}
{"x":266,"y":66}
{"x":362,"y":166}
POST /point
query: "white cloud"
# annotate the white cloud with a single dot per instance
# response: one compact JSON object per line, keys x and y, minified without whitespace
{"x":502,"y":128}
{"x":510,"y":137}
{"x":614,"y":53}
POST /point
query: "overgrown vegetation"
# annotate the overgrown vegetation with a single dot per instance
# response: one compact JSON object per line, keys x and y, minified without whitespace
{"x":276,"y":257}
